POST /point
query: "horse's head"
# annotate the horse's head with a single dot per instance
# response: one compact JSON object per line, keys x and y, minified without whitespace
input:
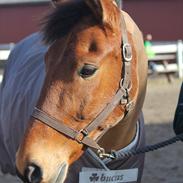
{"x":83,"y":72}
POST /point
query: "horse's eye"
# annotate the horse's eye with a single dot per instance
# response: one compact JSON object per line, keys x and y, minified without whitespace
{"x":87,"y":71}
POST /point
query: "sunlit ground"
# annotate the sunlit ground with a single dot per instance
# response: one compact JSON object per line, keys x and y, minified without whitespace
{"x":166,"y":165}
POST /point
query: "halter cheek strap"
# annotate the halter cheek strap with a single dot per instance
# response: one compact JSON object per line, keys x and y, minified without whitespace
{"x":121,"y":97}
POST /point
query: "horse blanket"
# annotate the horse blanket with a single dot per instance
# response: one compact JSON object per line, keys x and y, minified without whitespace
{"x":19,"y":92}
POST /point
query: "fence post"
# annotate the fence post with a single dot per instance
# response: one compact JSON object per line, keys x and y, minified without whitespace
{"x":120,"y":3}
{"x":180,"y":58}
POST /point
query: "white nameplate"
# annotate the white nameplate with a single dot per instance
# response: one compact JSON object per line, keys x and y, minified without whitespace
{"x":109,"y":176}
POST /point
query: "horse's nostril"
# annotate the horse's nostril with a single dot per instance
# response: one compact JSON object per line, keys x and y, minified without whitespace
{"x":33,"y":174}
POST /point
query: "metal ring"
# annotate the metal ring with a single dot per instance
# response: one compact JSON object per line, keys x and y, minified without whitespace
{"x":121,"y":85}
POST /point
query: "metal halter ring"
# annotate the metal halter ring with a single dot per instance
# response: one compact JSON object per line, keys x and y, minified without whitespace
{"x":127,"y":52}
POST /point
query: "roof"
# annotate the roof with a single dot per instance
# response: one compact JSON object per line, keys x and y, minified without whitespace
{"x":6,"y":2}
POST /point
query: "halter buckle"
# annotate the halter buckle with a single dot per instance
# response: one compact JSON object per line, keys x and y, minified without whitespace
{"x":81,"y":135}
{"x":127,"y":52}
{"x":126,"y":90}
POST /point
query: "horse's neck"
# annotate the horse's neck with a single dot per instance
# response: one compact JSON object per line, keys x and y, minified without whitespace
{"x":124,"y":132}
{"x":121,"y":135}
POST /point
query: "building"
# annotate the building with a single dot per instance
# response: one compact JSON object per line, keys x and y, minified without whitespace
{"x":19,"y":18}
{"x":161,"y":18}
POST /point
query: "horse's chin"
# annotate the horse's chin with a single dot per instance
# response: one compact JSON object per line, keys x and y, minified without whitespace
{"x":61,"y":174}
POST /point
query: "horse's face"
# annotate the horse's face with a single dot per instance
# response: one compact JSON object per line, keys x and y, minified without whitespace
{"x":83,"y":71}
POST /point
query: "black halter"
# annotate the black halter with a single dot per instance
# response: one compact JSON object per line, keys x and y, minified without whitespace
{"x":121,"y":97}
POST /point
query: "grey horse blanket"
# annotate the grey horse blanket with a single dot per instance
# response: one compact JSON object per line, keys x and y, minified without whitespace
{"x":19,"y":92}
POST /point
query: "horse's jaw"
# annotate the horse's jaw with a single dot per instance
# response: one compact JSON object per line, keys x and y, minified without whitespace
{"x":61,"y":174}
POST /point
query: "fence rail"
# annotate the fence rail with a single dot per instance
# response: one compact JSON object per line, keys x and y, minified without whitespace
{"x":5,"y":50}
{"x":168,"y":57}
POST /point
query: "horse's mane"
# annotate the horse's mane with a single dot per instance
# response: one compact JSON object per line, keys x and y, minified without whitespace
{"x":59,"y":22}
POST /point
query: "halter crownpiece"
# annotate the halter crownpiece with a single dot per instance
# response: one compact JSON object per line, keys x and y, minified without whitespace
{"x":121,"y":97}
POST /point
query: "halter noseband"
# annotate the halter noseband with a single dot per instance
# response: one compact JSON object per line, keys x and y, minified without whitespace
{"x":121,"y":97}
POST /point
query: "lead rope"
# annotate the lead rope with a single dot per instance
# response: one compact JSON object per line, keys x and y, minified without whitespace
{"x":150,"y":148}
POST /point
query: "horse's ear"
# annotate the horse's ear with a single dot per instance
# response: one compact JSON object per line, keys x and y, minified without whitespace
{"x":105,"y":11}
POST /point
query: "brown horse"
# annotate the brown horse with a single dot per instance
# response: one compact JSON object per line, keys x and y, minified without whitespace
{"x":85,"y":68}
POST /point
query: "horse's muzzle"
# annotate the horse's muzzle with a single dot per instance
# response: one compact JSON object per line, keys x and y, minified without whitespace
{"x":32,"y":174}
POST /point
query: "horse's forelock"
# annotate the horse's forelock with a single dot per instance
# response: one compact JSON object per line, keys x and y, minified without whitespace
{"x":60,"y":22}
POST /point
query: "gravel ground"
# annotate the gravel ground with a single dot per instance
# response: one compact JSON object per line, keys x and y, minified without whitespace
{"x":166,"y":165}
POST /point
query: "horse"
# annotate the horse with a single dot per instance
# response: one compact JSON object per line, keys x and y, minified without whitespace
{"x":76,"y":98}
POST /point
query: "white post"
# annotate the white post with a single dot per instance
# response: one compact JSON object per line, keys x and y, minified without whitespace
{"x":120,"y":3}
{"x":12,"y":46}
{"x":180,"y":58}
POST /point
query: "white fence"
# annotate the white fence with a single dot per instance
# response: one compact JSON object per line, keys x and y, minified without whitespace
{"x":1,"y":78}
{"x":5,"y":50}
{"x":166,"y":52}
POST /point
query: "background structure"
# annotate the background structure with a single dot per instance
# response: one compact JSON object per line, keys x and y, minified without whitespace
{"x":19,"y":18}
{"x":161,"y":18}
